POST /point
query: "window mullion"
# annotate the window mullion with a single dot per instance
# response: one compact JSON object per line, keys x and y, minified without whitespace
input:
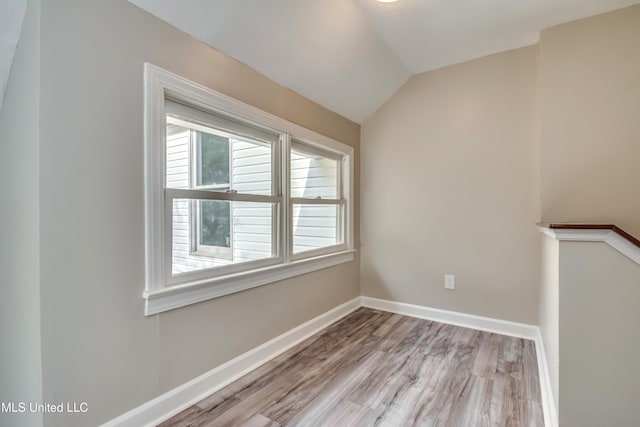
{"x":286,"y":234}
{"x":278,"y":213}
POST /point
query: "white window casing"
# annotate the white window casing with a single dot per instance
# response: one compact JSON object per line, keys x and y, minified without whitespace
{"x":324,"y":237}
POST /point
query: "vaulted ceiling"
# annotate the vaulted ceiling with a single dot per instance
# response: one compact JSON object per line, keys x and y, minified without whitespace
{"x":352,"y":55}
{"x":348,"y":55}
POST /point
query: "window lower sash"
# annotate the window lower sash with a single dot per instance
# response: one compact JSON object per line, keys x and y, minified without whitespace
{"x":182,"y":265}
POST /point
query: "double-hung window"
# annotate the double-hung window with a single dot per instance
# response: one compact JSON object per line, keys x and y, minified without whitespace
{"x":235,"y":197}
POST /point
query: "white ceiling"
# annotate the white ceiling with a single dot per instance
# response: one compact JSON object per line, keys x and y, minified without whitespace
{"x":352,"y":55}
{"x":325,"y":50}
{"x":347,"y":55}
{"x":429,"y":34}
{"x":11,"y":17}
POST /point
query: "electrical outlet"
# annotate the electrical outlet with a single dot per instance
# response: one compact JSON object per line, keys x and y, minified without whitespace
{"x":449,"y":281}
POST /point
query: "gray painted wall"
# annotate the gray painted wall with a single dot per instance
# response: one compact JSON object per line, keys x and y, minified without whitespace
{"x":20,"y":355}
{"x":97,"y":345}
{"x":457,"y":149}
{"x":589,"y":108}
{"x":590,"y":104}
{"x":599,"y":336}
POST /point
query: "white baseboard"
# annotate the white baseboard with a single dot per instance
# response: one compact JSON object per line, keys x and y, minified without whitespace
{"x":503,"y":327}
{"x":180,"y":398}
{"x":548,"y":402}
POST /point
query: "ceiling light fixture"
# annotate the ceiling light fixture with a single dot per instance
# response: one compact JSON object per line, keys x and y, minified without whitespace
{"x":387,"y":1}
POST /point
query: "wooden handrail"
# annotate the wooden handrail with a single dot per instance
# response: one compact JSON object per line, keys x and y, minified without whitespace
{"x":611,"y":227}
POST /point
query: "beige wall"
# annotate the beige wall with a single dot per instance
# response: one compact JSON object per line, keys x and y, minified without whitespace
{"x":20,"y":355}
{"x":449,"y":185}
{"x":97,"y":345}
{"x":590,"y":110}
{"x":599,"y":336}
{"x":549,"y":314}
{"x":590,"y":147}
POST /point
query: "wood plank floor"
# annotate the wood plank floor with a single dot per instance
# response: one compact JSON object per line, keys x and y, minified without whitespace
{"x":374,"y":368}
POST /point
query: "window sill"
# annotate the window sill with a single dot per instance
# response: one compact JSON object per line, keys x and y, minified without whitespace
{"x":179,"y":296}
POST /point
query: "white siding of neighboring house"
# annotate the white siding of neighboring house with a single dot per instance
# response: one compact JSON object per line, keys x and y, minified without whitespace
{"x":314,"y":226}
{"x":251,"y":173}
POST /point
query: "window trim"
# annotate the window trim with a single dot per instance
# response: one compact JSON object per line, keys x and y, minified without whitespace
{"x":159,"y":85}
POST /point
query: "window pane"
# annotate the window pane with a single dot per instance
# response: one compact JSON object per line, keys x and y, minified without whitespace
{"x":202,"y":157}
{"x":216,"y":233}
{"x":315,"y":227}
{"x":251,"y":167}
{"x":313,"y":175}
{"x":212,"y":157}
{"x":177,"y":156}
{"x":215,"y":223}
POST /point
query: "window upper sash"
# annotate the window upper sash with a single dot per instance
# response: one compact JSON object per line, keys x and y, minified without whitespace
{"x":214,"y":120}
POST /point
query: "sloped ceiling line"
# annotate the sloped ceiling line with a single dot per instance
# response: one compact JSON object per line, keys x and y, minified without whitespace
{"x":11,"y":18}
{"x":349,"y":56}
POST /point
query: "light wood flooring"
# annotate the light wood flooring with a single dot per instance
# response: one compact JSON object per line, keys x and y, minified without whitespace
{"x":374,"y":368}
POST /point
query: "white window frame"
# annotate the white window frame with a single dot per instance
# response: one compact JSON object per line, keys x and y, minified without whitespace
{"x":339,"y":201}
{"x":162,"y":291}
{"x":203,"y":120}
